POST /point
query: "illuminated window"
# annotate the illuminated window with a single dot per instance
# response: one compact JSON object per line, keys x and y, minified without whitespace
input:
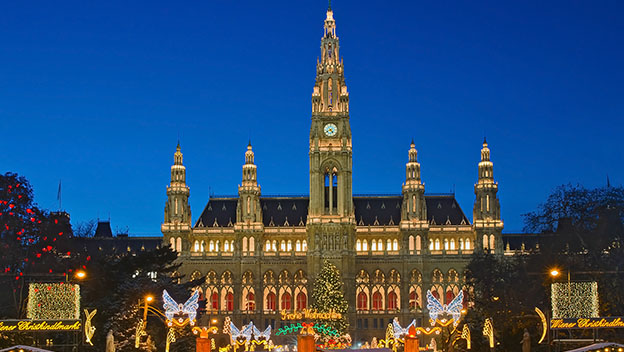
{"x":226,"y":246}
{"x":392,"y":301}
{"x":492,"y":247}
{"x":302,"y":301}
{"x":395,"y":245}
{"x":461,"y":243}
{"x":374,"y":245}
{"x":418,"y":244}
{"x":196,"y":246}
{"x":446,"y":244}
{"x":410,"y":243}
{"x":179,"y":244}
{"x":449,"y":297}
{"x":437,"y":244}
{"x":389,"y":245}
{"x":430,"y":245}
{"x":267,"y":246}
{"x":467,"y":243}
{"x":252,"y":244}
{"x":244,"y":244}
{"x":362,"y":301}
{"x":251,"y":303}
{"x":214,"y":301}
{"x":172,"y":242}
{"x":229,"y":301}
{"x":286,"y":301}
{"x":358,"y":245}
{"x":304,"y":245}
{"x":232,"y":246}
{"x":485,"y":242}
{"x":274,"y":246}
{"x":452,"y":245}
{"x":211,"y":246}
{"x":289,"y":246}
{"x":270,"y":301}
{"x":414,"y":300}
{"x":203,"y":246}
{"x":298,"y":246}
{"x":283,"y":246}
{"x":217,"y":246}
{"x":365,"y":246}
{"x":377,"y":301}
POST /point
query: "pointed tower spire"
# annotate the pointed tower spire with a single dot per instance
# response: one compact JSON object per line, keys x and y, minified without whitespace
{"x":414,"y":207}
{"x":486,"y":211}
{"x":177,"y":224}
{"x":248,"y":208}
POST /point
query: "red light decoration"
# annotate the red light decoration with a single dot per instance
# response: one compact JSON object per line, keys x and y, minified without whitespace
{"x":61,"y":233}
{"x":11,"y":206}
{"x":29,"y":211}
{"x":56,"y":221}
{"x":38,"y":255}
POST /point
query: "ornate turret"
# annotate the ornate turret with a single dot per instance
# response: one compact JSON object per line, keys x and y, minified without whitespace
{"x":414,"y":207}
{"x":248,"y":211}
{"x":177,"y":209}
{"x":486,"y":212}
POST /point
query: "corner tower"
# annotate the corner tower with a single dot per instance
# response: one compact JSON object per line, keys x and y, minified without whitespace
{"x":177,"y":225}
{"x":248,"y":211}
{"x":331,"y":219}
{"x":414,"y":209}
{"x":487,"y":223}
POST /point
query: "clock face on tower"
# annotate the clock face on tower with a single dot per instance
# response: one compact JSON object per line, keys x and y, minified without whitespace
{"x":330,"y":130}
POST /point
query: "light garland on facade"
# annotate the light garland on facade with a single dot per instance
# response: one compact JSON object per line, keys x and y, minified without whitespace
{"x":544,"y":324}
{"x":466,"y":335}
{"x":574,"y":299}
{"x":53,"y":301}
{"x":488,"y":331}
{"x":89,"y":329}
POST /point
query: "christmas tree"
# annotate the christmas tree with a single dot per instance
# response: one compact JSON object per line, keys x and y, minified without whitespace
{"x":327,"y":295}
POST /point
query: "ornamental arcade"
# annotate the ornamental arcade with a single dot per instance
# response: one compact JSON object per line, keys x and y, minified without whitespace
{"x":261,"y":253}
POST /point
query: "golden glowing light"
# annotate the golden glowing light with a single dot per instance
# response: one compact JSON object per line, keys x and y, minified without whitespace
{"x":554,"y":272}
{"x":80,"y":274}
{"x":149,"y":298}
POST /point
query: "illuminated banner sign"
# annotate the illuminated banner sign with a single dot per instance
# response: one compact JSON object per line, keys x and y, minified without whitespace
{"x":587,"y":323}
{"x":39,"y":325}
{"x":310,"y":314}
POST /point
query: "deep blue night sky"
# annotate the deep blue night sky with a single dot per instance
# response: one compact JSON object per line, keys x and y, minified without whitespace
{"x":96,"y":93}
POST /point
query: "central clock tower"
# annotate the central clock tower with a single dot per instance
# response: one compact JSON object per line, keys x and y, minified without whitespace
{"x":331,"y":218}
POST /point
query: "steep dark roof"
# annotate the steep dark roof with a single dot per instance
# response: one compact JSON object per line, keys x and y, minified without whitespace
{"x":284,"y":211}
{"x":377,"y":210}
{"x":444,"y":210}
{"x":103,"y":229}
{"x":276,"y":211}
{"x":374,"y":210}
{"x":223,"y":210}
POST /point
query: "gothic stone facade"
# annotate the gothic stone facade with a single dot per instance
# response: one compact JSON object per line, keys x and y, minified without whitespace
{"x":261,"y":254}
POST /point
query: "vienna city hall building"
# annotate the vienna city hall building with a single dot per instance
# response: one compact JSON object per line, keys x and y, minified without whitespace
{"x":261,"y":254}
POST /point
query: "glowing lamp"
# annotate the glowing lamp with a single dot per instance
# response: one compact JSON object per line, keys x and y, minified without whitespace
{"x":80,"y":274}
{"x":149,"y":298}
{"x":554,"y":273}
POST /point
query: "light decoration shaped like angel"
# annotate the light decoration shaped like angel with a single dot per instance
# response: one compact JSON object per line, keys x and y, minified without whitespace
{"x":436,"y":308}
{"x":398,"y":331}
{"x":173,"y":309}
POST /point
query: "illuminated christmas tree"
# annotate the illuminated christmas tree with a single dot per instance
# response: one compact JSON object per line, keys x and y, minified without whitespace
{"x":328,"y":296}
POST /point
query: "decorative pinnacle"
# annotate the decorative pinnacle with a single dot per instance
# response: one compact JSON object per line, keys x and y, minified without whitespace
{"x":329,"y":6}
